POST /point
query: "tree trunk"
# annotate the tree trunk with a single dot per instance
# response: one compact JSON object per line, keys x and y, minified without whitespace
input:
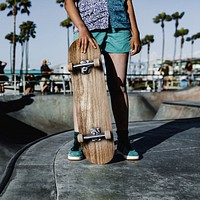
{"x":163,"y":46}
{"x":27,"y":51}
{"x":192,"y":48}
{"x":22,"y":61}
{"x":175,"y":43}
{"x":148,"y":57}
{"x":14,"y":48}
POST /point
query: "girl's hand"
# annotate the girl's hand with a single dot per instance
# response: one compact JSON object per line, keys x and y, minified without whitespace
{"x":84,"y":38}
{"x":135,"y":45}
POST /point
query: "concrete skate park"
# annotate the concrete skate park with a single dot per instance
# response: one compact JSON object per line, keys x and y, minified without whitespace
{"x":36,"y":135}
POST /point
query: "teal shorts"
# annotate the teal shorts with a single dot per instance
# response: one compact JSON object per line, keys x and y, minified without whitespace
{"x":112,"y":40}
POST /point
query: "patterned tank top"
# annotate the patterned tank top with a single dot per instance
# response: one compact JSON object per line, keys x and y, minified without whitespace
{"x":102,"y":14}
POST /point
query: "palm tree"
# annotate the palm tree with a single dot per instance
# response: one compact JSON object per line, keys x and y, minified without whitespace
{"x":15,"y":6}
{"x":66,"y":24}
{"x":27,"y":31}
{"x":143,"y":42}
{"x":9,"y":37}
{"x":61,"y":2}
{"x":181,"y":33}
{"x":147,"y":40}
{"x":161,"y":18}
{"x":22,"y":42}
{"x":192,"y":39}
{"x":176,"y":16}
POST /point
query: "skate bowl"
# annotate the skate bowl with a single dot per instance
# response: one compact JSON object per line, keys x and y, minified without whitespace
{"x":34,"y":120}
{"x":51,"y":114}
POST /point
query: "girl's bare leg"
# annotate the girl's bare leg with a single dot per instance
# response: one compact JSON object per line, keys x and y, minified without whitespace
{"x":116,"y":69}
{"x":116,"y":78}
{"x":75,"y":119}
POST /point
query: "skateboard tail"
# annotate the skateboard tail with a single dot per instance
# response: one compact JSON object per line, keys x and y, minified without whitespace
{"x":96,"y":151}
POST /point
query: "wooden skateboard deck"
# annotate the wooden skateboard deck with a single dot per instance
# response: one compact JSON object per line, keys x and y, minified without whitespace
{"x":91,"y":104}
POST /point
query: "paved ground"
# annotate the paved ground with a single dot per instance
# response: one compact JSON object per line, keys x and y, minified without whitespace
{"x":168,"y":168}
{"x":169,"y":150}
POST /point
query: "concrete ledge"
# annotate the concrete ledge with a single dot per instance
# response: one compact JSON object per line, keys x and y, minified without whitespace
{"x":184,"y":103}
{"x":178,"y":110}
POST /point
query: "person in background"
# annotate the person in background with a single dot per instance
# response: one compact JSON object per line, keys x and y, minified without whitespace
{"x":160,"y":79}
{"x":166,"y":75}
{"x":112,"y":24}
{"x":30,"y":84}
{"x":189,"y":72}
{"x":45,"y":78}
{"x":58,"y":84}
{"x":3,"y":78}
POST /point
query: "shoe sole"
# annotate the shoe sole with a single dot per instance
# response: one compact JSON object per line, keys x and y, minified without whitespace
{"x":71,"y":158}
{"x":128,"y":157}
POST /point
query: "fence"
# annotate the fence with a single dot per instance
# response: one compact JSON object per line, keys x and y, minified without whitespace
{"x":18,"y":84}
{"x":61,"y":83}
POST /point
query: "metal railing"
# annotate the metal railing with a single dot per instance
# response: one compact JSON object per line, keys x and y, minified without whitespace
{"x":18,"y":84}
{"x":61,"y":83}
{"x":157,"y":83}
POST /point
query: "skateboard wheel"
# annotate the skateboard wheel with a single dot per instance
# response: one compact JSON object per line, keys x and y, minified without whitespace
{"x":107,"y":135}
{"x":80,"y":138}
{"x":70,"y":67}
{"x":96,"y":62}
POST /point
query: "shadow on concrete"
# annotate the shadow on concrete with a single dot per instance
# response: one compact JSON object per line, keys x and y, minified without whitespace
{"x":143,"y":142}
{"x":15,"y":105}
{"x":151,"y":138}
{"x":14,"y":134}
{"x":15,"y":131}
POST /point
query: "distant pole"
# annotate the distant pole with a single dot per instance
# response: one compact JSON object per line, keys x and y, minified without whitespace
{"x":14,"y":40}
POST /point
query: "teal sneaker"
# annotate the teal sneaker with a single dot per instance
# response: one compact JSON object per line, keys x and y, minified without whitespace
{"x":128,"y":153}
{"x":75,"y":154}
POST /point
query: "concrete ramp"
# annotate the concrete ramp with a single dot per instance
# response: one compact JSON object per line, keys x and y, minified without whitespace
{"x":140,"y":109}
{"x":155,"y":99}
{"x":178,"y":110}
{"x":47,"y":113}
{"x":52,"y":113}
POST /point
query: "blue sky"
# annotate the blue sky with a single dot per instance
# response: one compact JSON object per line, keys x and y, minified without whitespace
{"x":51,"y":39}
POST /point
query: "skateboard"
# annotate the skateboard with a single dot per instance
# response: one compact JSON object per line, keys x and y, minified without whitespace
{"x":91,"y":103}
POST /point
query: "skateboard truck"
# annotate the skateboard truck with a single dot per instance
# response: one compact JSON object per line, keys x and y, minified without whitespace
{"x":86,"y":69}
{"x":95,"y":135}
{"x":84,"y":66}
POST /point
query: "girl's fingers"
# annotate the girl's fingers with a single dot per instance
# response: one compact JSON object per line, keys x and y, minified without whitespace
{"x":83,"y":44}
